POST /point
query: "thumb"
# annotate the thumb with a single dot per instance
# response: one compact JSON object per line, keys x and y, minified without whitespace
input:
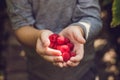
{"x":79,"y":37}
{"x":45,"y":38}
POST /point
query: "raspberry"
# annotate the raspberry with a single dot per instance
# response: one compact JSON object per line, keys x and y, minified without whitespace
{"x":53,"y":37}
{"x":67,"y":40}
{"x":51,"y":45}
{"x":60,"y":40}
{"x":71,"y":46}
{"x":72,"y":54}
{"x":55,"y":46}
{"x":62,"y":44}
{"x":63,"y":48}
{"x":66,"y":56}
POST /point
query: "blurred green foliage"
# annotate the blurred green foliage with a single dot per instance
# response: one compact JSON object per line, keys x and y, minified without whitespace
{"x":115,"y":11}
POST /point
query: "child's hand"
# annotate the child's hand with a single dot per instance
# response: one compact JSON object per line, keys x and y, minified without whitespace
{"x":75,"y":34}
{"x":42,"y":48}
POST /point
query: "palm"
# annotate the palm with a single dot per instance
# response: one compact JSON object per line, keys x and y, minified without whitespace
{"x":76,"y":37}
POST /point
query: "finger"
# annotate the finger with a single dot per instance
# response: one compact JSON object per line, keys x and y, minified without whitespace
{"x":79,"y":37}
{"x":45,"y":37}
{"x":39,"y":47}
{"x":77,"y":58}
{"x":65,"y":64}
{"x":53,"y":58}
{"x":46,"y":50}
{"x":58,"y":59}
{"x":72,"y":64}
{"x":59,"y":64}
{"x":79,"y":50}
{"x":52,"y":52}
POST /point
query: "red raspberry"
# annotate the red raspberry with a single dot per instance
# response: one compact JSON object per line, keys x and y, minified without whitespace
{"x":71,"y":46}
{"x":72,"y":54}
{"x":55,"y":46}
{"x":60,"y":40}
{"x":66,"y":56}
{"x":63,"y":44}
{"x":51,"y":45}
{"x":63,"y":48}
{"x":67,"y":40}
{"x":53,"y":37}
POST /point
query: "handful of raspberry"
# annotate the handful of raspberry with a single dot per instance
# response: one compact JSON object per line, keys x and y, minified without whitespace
{"x":63,"y":44}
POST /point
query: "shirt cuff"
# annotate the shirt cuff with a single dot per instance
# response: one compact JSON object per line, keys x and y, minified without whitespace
{"x":85,"y":26}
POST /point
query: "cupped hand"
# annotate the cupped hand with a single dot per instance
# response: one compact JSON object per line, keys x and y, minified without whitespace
{"x":42,"y":48}
{"x":76,"y":36}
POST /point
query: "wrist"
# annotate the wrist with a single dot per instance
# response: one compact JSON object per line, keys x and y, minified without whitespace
{"x":80,"y":28}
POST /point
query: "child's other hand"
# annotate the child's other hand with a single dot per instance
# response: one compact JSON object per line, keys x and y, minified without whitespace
{"x":75,"y":34}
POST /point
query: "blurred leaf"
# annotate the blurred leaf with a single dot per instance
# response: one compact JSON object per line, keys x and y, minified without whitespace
{"x":115,"y":13}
